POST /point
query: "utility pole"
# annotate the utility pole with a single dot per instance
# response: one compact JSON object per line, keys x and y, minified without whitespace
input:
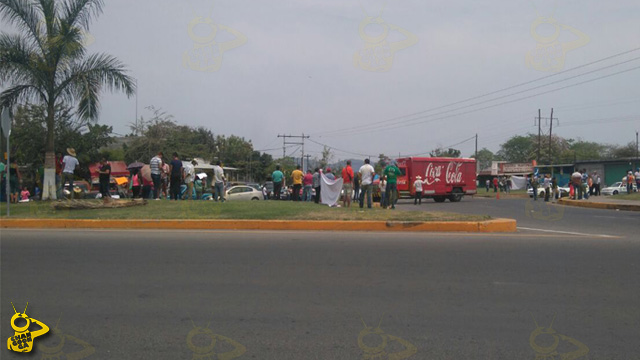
{"x":539,"y":136}
{"x":477,"y":163}
{"x":307,"y":157}
{"x":301,"y":142}
{"x":550,"y":133}
{"x":637,"y":155}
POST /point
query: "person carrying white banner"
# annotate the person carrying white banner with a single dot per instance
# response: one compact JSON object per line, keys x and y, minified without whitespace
{"x":330,"y":190}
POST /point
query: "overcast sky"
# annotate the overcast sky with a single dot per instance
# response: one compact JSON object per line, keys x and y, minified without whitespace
{"x":292,"y":68}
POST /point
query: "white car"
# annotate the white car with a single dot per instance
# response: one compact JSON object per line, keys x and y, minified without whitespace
{"x":562,"y":191}
{"x":617,"y":188}
{"x":243,"y":192}
{"x":540,"y":191}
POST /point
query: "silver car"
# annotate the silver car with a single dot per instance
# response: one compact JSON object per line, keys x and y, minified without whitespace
{"x":243,"y":192}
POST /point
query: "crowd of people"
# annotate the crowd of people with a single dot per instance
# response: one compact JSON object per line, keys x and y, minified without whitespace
{"x":356,"y":186}
{"x":168,"y":177}
{"x":501,"y":183}
{"x":175,"y":179}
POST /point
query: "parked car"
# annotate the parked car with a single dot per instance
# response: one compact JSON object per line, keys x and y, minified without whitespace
{"x":540,"y":191}
{"x":563,"y":191}
{"x":617,"y":188}
{"x":243,"y":192}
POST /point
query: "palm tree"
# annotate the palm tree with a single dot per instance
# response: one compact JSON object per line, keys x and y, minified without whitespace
{"x":46,"y":62}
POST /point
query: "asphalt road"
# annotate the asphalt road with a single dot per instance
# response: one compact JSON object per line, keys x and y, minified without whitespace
{"x":307,"y":295}
{"x":540,"y":216}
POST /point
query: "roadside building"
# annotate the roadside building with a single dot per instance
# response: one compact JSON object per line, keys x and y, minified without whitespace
{"x":611,"y":171}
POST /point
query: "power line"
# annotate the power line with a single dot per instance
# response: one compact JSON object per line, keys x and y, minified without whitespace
{"x":413,"y":122}
{"x":442,"y":147}
{"x":335,"y":148}
{"x":386,"y":122}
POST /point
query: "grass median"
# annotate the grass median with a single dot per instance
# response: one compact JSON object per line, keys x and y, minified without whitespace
{"x":632,"y":196}
{"x":253,"y":210}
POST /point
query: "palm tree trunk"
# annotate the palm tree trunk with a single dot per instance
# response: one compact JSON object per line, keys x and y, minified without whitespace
{"x":49,"y":186}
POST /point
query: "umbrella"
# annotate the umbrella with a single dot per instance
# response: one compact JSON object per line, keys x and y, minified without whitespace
{"x":135,"y":165}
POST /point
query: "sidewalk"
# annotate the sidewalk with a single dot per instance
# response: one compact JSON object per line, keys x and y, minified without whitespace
{"x":603,"y":202}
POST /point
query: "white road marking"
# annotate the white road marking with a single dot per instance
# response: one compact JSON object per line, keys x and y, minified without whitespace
{"x":568,"y":232}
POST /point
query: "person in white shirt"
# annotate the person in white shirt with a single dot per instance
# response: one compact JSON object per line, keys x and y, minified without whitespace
{"x":417,"y":185}
{"x":383,"y":188}
{"x":366,"y":173}
{"x":189,"y":178}
{"x":69,"y":165}
{"x":218,"y":182}
{"x":546,"y":184}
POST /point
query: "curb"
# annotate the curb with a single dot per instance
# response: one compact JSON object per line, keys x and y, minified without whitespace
{"x":496,"y":225}
{"x":599,"y":205}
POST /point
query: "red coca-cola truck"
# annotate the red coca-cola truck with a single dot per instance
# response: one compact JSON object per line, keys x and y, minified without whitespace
{"x":443,"y":178}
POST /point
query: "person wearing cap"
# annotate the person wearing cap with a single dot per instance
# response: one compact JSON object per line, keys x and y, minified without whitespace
{"x":69,"y":165}
{"x":329,"y":174}
{"x":630,"y":180}
{"x":417,"y":185}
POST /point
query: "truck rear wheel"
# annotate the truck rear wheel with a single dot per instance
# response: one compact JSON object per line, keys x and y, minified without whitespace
{"x":456,"y":195}
{"x":439,"y":199}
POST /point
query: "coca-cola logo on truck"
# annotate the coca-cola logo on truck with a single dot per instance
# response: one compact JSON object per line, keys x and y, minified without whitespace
{"x":452,"y":175}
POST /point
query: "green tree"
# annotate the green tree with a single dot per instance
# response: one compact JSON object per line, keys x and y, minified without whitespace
{"x":440,"y":152}
{"x":517,"y":149}
{"x":383,"y":161}
{"x":30,"y":131}
{"x":327,"y":155}
{"x":46,"y":62}
{"x":485,"y":157}
{"x":623,"y":152}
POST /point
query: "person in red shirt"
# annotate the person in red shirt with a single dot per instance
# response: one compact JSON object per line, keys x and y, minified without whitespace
{"x":347,"y":184}
{"x":307,"y":183}
{"x":495,"y":184}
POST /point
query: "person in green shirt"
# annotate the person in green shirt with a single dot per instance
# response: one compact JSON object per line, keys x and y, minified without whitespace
{"x":391,"y":173}
{"x":277,"y":176}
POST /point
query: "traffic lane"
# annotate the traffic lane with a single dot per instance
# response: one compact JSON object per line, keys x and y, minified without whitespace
{"x":540,"y":215}
{"x":283,"y":295}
